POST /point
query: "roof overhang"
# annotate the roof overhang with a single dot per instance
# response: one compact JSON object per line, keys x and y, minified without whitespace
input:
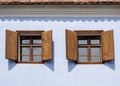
{"x":59,"y":2}
{"x":59,"y":10}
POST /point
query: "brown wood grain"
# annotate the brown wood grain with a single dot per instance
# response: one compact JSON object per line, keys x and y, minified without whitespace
{"x":11,"y":45}
{"x":25,"y":32}
{"x":71,"y":45}
{"x":108,"y":45}
{"x":47,"y":45}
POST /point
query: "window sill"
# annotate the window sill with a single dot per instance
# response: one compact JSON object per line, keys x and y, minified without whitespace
{"x":89,"y":62}
{"x":30,"y":62}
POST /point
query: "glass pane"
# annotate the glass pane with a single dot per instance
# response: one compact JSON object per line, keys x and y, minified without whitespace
{"x":95,"y":41}
{"x":83,"y":59}
{"x":26,"y":50}
{"x":95,"y":59}
{"x":25,"y":58}
{"x":25,"y":41}
{"x":82,"y":51}
{"x":95,"y":51}
{"x":37,"y":58}
{"x":82,"y":41}
{"x":37,"y":41}
{"x":37,"y":50}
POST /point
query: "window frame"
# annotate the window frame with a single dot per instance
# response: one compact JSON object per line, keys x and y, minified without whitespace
{"x":28,"y":33}
{"x":107,"y":44}
{"x":90,"y":33}
{"x":12,"y":44}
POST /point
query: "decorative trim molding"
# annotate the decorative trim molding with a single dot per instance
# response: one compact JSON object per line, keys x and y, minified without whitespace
{"x":59,"y":10}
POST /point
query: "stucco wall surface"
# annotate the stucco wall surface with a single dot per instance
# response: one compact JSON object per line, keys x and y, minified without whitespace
{"x":59,"y":71}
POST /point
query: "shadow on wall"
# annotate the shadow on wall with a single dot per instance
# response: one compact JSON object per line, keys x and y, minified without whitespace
{"x":50,"y":63}
{"x":71,"y":65}
{"x":110,"y":64}
{"x":65,"y":19}
{"x":11,"y":64}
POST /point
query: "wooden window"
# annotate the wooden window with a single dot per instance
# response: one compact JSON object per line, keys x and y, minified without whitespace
{"x":89,"y":49}
{"x":29,"y":46}
{"x":92,"y":46}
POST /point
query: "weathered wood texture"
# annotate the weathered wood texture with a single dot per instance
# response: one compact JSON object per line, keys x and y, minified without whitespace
{"x":108,"y":45}
{"x":71,"y":45}
{"x":47,"y":45}
{"x":11,"y":45}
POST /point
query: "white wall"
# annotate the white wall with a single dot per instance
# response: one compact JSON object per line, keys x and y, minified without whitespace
{"x":60,"y":71}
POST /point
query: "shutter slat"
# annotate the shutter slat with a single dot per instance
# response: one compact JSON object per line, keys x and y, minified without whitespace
{"x":71,"y":45}
{"x":47,"y":45}
{"x":11,"y":45}
{"x":108,"y":45}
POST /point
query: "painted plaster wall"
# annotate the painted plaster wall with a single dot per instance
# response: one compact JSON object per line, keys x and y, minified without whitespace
{"x":59,"y":71}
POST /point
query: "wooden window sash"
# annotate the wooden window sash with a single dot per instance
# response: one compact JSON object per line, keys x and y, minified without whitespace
{"x":105,"y":56}
{"x":31,"y":45}
{"x":89,"y":45}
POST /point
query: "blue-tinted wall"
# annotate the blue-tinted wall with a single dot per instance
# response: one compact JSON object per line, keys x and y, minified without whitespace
{"x":60,"y":71}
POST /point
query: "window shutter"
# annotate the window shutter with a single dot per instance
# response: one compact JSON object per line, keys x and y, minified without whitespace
{"x":108,"y":45}
{"x":47,"y":45}
{"x":71,"y":45}
{"x":11,"y":45}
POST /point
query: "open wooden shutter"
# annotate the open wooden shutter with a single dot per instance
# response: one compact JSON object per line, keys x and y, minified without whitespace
{"x":47,"y":45}
{"x":11,"y":45}
{"x":108,"y":45}
{"x":71,"y":45}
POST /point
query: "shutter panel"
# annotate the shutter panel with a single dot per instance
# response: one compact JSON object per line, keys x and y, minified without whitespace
{"x":47,"y":45}
{"x":108,"y":45}
{"x":11,"y":45}
{"x":71,"y":45}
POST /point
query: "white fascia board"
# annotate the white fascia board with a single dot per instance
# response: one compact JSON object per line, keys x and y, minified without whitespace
{"x":59,"y":10}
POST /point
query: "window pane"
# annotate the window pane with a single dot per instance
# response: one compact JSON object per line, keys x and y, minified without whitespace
{"x":37,"y":41}
{"x":25,"y":58}
{"x":25,"y":41}
{"x":95,"y":41}
{"x":26,"y":50}
{"x":95,"y":59}
{"x":82,"y":41}
{"x":82,"y":51}
{"x":37,"y":58}
{"x":95,"y":51}
{"x":83,"y":59}
{"x":37,"y":50}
